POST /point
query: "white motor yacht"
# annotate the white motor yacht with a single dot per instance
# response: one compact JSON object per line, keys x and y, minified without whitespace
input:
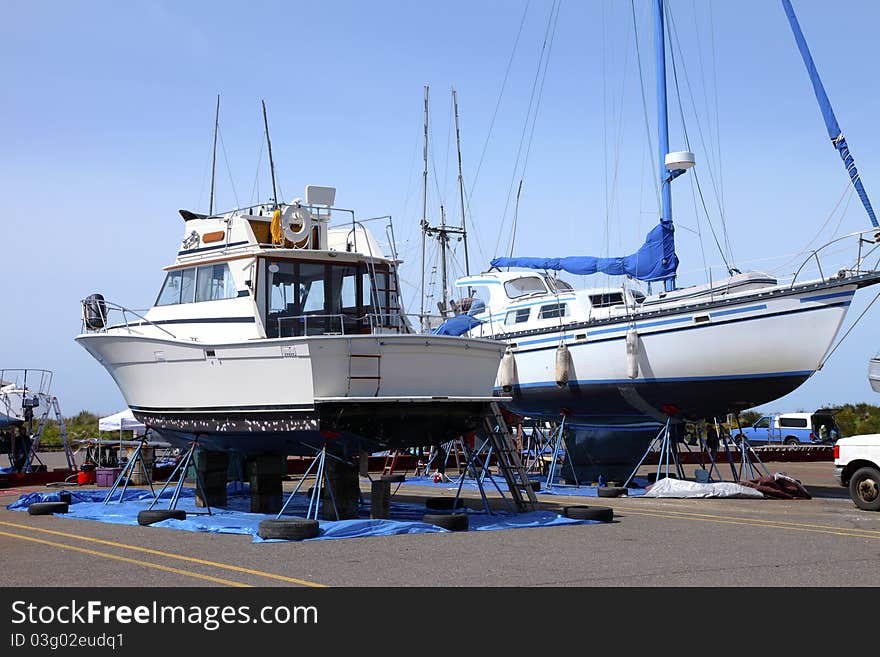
{"x":275,"y":332}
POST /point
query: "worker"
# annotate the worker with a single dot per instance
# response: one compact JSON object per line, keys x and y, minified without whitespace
{"x":711,"y":436}
{"x":823,"y":433}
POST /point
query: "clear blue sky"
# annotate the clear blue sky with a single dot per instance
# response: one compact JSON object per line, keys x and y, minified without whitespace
{"x":107,"y":110}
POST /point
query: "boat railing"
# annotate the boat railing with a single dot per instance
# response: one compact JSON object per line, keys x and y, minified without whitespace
{"x":341,"y":324}
{"x":33,"y":380}
{"x":96,"y":316}
{"x":868,"y":244}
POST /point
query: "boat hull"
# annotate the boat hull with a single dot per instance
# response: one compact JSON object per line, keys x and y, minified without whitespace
{"x":874,"y":374}
{"x":698,"y":362}
{"x":289,"y":395}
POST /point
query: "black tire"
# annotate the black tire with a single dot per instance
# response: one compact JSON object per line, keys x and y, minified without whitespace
{"x":864,"y":488}
{"x":456,"y":522}
{"x":393,"y":478}
{"x":47,"y":508}
{"x":289,"y":529}
{"x":601,"y":513}
{"x":611,"y":491}
{"x":444,"y":503}
{"x":150,"y":516}
{"x":791,"y":440}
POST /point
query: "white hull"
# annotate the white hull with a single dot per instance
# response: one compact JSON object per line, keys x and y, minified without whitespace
{"x":262,"y":391}
{"x":702,"y":361}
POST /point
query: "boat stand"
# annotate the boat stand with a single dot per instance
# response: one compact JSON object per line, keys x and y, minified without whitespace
{"x":479,"y":470}
{"x":320,"y":482}
{"x":180,"y":470}
{"x":126,"y":473}
{"x":747,"y":467}
{"x":557,"y":440}
{"x":668,"y":454}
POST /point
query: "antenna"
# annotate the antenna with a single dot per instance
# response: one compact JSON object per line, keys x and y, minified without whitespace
{"x":271,"y":161}
{"x":467,"y":264}
{"x":214,"y":156}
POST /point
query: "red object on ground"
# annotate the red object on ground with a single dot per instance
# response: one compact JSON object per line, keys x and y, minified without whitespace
{"x":86,"y":477}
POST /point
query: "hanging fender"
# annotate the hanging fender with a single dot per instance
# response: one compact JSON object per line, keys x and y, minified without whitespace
{"x":507,"y":371}
{"x":563,"y":366}
{"x":296,"y":223}
{"x":632,"y":353}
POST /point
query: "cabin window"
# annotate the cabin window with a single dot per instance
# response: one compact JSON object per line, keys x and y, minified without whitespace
{"x":558,"y":285}
{"x":205,"y":283}
{"x":517,"y":316}
{"x":606,"y":300}
{"x":763,"y":423}
{"x":520,"y":287}
{"x":214,"y":282}
{"x":637,"y":296}
{"x":552,"y":311}
{"x":793,"y":422}
{"x":170,"y":292}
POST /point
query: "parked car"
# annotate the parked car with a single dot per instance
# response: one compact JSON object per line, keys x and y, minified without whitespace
{"x":857,"y":466}
{"x":814,"y":428}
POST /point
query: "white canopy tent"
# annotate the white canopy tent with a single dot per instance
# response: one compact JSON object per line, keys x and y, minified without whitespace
{"x":121,"y":421}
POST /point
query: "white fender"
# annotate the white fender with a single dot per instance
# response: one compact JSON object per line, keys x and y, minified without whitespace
{"x":296,"y":223}
{"x":632,"y":353}
{"x":563,"y":365}
{"x":507,"y":370}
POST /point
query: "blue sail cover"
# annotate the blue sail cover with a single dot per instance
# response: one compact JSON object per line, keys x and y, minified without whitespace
{"x":655,"y":261}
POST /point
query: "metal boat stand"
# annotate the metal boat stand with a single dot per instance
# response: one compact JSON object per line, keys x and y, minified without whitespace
{"x":479,"y":470}
{"x":556,"y":441}
{"x":747,"y":467}
{"x":668,"y":453}
{"x":181,"y":468}
{"x":320,"y":482}
{"x":126,"y":473}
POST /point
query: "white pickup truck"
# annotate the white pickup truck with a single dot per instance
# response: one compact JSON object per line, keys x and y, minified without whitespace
{"x":857,"y":465}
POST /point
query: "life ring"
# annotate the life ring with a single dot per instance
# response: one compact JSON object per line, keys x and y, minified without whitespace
{"x":296,"y":215}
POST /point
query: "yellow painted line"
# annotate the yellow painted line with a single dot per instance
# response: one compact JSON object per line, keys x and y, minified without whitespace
{"x":168,"y":555}
{"x":690,"y":514}
{"x":146,"y":564}
{"x":835,"y":531}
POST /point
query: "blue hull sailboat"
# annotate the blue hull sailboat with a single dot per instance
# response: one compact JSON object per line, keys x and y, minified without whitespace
{"x":619,"y":363}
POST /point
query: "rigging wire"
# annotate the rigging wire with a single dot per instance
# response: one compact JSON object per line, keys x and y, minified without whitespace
{"x":532,"y":131}
{"x":849,"y":330}
{"x":500,"y":96}
{"x":255,"y":190}
{"x":677,"y":43}
{"x":228,"y":169}
{"x":550,"y":25}
{"x":688,"y":143}
{"x":645,"y":107}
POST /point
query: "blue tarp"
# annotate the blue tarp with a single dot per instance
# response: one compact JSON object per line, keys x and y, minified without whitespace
{"x":458,"y":325}
{"x":654,"y":261}
{"x":236,"y":519}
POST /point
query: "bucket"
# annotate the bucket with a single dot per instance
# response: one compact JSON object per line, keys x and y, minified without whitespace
{"x":85,"y":477}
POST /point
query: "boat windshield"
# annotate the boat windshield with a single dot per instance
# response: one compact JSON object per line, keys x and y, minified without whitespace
{"x":320,"y":298}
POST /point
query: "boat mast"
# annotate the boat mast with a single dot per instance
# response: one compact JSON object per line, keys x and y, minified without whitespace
{"x":837,"y":139}
{"x":467,"y":264}
{"x":271,"y":161}
{"x":663,"y":123}
{"x":424,"y":209}
{"x":214,"y":156}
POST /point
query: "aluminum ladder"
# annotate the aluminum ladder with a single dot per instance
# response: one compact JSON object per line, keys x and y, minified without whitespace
{"x":509,"y":462}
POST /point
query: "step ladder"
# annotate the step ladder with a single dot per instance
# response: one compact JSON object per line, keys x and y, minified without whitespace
{"x":390,"y":462}
{"x":38,"y":436}
{"x":510,"y":464}
{"x":364,"y":368}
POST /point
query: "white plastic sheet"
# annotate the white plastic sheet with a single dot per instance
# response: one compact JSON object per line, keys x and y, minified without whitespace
{"x":678,"y":488}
